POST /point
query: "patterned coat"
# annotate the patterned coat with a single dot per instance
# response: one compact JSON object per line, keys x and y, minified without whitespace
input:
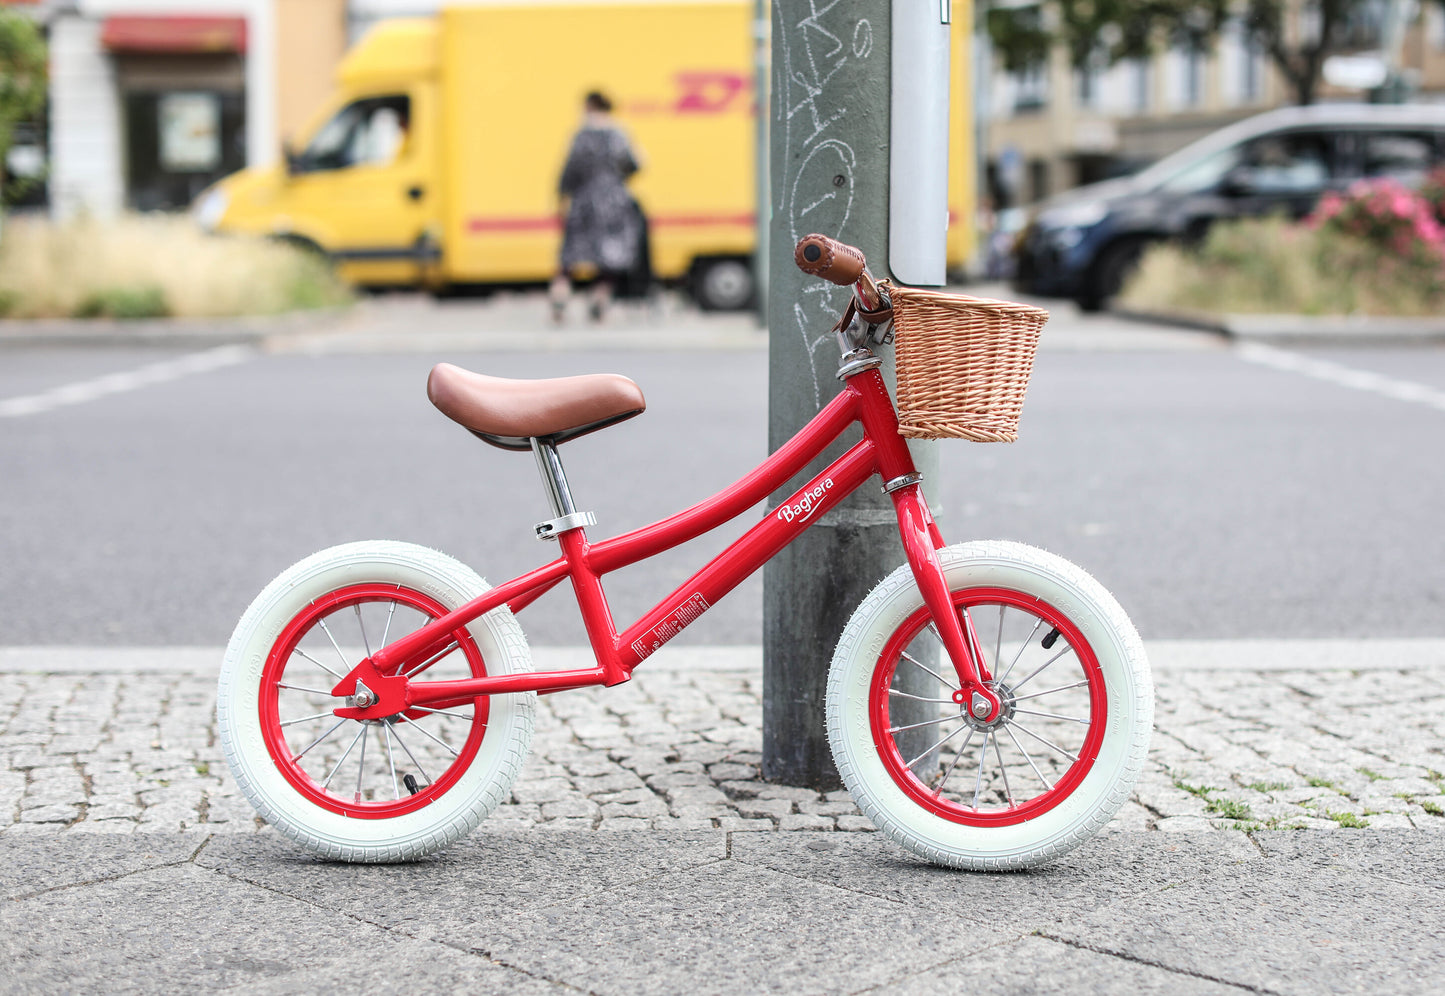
{"x":603,"y":228}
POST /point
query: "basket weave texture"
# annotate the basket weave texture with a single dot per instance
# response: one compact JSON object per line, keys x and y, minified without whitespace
{"x":963,"y":364}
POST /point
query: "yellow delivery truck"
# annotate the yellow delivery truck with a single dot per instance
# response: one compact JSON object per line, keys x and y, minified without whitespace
{"x":436,"y":161}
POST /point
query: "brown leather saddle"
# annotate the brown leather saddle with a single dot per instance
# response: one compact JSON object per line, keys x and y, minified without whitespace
{"x":510,"y":413}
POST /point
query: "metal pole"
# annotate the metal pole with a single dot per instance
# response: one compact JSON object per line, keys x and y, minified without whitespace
{"x":762,"y":38}
{"x":830,"y":174}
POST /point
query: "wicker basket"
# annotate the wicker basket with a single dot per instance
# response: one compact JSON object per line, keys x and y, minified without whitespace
{"x":963,"y":364}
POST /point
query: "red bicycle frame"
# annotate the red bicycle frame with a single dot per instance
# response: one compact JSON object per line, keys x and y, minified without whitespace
{"x":388,"y":674}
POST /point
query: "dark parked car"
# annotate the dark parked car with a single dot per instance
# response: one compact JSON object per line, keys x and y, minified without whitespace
{"x":1082,"y":244}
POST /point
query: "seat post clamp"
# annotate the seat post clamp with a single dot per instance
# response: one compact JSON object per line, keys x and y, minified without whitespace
{"x":552,"y":528}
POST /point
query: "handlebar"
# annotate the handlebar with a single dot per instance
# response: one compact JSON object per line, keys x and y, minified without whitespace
{"x":842,"y":264}
{"x":834,"y":261}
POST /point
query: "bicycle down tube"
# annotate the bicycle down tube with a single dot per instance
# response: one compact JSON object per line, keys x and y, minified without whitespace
{"x":389,"y":674}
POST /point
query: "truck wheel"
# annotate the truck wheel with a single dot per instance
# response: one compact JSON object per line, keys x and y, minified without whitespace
{"x":723,"y":284}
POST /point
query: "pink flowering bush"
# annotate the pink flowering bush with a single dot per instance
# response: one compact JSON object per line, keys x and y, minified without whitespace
{"x":1390,"y":216}
{"x":1376,"y":249}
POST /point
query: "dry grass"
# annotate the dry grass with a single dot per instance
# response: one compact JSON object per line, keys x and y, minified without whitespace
{"x":1270,"y":266}
{"x":148,"y":265}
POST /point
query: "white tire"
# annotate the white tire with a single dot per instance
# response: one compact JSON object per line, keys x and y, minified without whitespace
{"x":1056,"y":765}
{"x":292,"y":646}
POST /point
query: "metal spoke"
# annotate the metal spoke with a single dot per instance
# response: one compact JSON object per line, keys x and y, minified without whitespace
{"x":307,"y":719}
{"x":443,"y":712}
{"x":998,"y":645}
{"x":926,"y":722}
{"x":391,"y":612}
{"x":397,"y":733}
{"x":327,"y":630}
{"x":1047,"y":743}
{"x":364,"y":641}
{"x":1052,"y":715}
{"x":998,"y":752}
{"x":303,"y":688}
{"x":956,"y":758}
{"x":318,"y":740}
{"x":361,"y":762}
{"x":359,"y":733}
{"x":912,"y":660}
{"x":982,"y":756}
{"x":323,"y":667}
{"x":436,"y":657}
{"x":1022,"y":647}
{"x":391,"y":760}
{"x":920,"y":698}
{"x":940,"y":743}
{"x":429,"y":736}
{"x":1034,"y":695}
{"x":1028,"y":758}
{"x":1044,"y":665}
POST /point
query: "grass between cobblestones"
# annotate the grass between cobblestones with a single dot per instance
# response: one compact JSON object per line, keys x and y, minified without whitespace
{"x":673,"y":749}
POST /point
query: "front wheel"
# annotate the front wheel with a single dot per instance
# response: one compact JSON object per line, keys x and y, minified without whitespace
{"x":389,"y":789}
{"x":1058,"y":761}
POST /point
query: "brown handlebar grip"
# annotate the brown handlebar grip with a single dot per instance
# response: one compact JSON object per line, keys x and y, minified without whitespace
{"x":830,"y":259}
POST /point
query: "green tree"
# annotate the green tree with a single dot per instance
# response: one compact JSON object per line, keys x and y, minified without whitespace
{"x":1120,"y":29}
{"x":22,"y":76}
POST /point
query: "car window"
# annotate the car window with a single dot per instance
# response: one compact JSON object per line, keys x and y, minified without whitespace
{"x":1205,"y":174}
{"x":370,"y":131}
{"x":1403,"y":156}
{"x":1289,"y":163}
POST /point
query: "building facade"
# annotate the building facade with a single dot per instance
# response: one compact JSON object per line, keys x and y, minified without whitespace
{"x":152,"y":100}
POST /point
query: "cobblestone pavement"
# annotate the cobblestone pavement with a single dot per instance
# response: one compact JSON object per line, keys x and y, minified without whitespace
{"x":679,"y":747}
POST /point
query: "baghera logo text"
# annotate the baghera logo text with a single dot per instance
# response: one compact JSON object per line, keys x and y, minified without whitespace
{"x":806,"y":504}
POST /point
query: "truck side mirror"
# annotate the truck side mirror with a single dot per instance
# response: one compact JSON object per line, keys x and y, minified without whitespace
{"x":289,"y":154}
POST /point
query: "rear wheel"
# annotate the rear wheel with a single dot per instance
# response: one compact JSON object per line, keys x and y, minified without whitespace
{"x":373,"y":790}
{"x":1050,"y":770}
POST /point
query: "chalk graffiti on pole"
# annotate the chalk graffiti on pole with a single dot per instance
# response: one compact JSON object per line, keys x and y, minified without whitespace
{"x":818,"y":195}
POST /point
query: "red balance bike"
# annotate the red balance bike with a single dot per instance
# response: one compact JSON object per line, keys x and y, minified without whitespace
{"x":989,"y":704}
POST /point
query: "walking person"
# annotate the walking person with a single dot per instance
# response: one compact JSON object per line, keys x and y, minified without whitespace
{"x":602,"y":231}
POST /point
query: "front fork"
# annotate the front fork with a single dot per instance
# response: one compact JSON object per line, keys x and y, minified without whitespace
{"x":921,"y":540}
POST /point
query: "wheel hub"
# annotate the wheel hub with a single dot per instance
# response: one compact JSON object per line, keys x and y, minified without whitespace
{"x":1005,"y":709}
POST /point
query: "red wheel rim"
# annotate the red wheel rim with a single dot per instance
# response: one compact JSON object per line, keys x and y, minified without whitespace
{"x":1015,"y":810}
{"x":336,"y":797}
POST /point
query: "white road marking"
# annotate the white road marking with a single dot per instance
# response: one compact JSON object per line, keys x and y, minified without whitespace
{"x":1336,"y":373}
{"x":82,"y":391}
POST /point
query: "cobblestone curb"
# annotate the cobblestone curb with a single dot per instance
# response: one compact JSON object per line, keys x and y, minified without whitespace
{"x":679,"y":747}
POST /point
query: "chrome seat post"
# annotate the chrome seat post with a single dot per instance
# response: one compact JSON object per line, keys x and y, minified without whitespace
{"x":559,"y":495}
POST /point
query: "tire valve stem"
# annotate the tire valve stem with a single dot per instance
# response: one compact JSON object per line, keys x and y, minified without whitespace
{"x":409,"y":780}
{"x":1048,"y":641}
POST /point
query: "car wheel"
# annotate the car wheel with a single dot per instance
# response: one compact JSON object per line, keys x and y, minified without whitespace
{"x":1114,"y":265}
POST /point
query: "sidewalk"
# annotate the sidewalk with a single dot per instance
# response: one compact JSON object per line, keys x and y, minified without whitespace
{"x":132,"y":862}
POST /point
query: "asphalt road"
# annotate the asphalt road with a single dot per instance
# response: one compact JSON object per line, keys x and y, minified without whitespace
{"x":1219,"y":493}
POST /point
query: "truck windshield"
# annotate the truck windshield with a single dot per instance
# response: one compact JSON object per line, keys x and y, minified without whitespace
{"x":367,"y":132}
